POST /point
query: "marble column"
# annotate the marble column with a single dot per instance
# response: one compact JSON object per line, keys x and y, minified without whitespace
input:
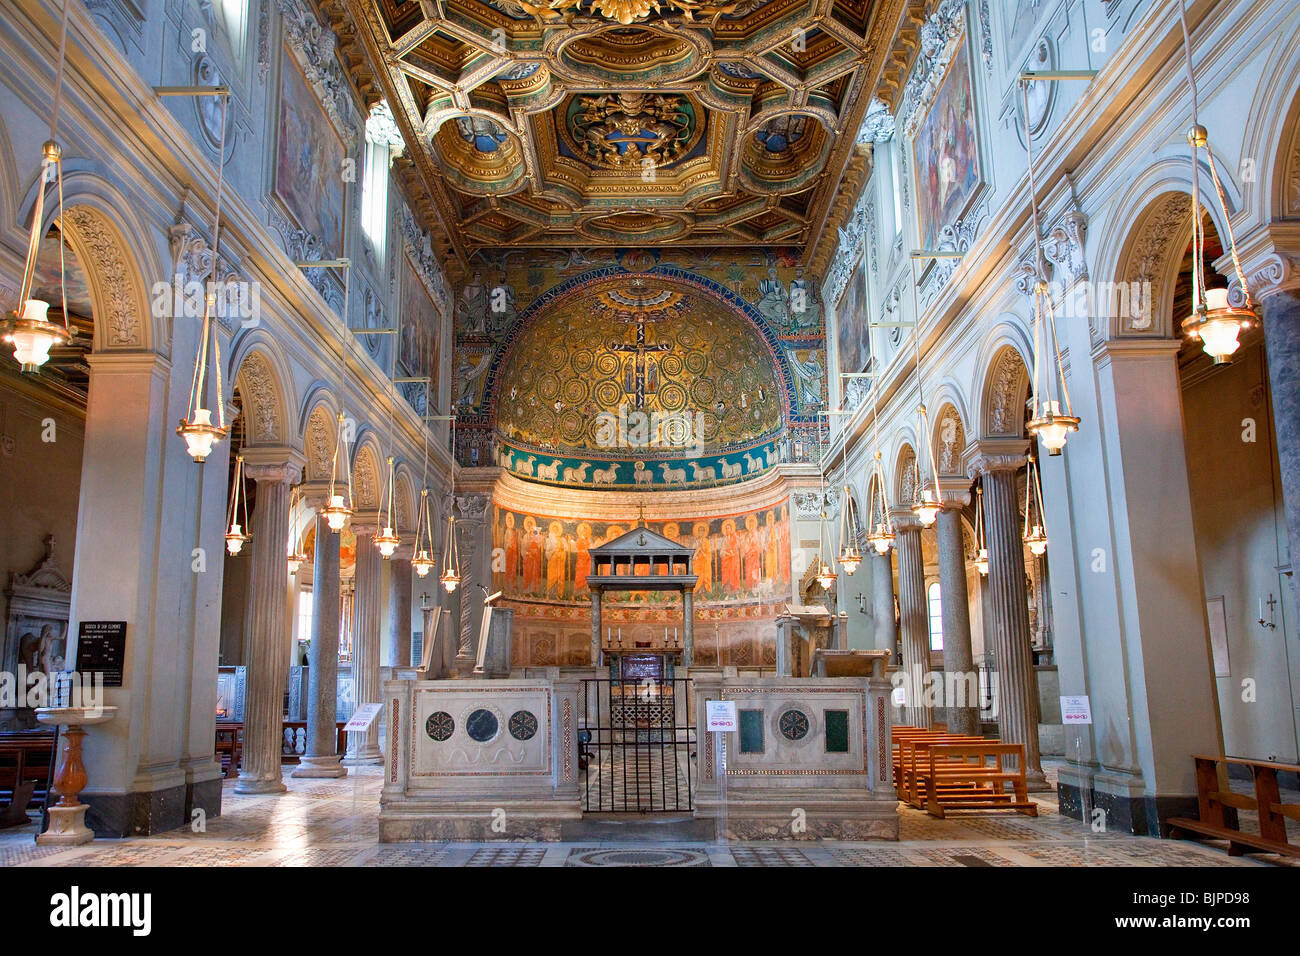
{"x":1016,"y":691}
{"x":958,"y":658}
{"x":321,"y":758}
{"x":688,"y":627}
{"x":882,"y":601}
{"x":595,"y":627}
{"x":913,"y":613}
{"x":267,"y":656}
{"x":399,"y":606}
{"x":1282,"y":343}
{"x":363,"y":746}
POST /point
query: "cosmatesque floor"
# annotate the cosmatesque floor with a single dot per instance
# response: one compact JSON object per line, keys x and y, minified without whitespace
{"x":333,"y":823}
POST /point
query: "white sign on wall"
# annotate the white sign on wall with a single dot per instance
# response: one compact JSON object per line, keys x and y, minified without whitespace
{"x":1076,"y":710}
{"x":720,"y":715}
{"x":363,"y":717}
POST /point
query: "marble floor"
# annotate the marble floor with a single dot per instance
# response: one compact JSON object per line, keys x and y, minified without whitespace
{"x":333,"y":823}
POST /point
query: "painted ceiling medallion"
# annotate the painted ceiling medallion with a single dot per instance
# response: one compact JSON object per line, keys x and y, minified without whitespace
{"x":631,"y":130}
{"x":625,"y":11}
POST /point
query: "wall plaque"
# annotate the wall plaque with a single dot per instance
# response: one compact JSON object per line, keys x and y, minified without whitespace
{"x":101,"y":648}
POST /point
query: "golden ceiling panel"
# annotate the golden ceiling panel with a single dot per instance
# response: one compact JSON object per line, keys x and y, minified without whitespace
{"x":626,"y":122}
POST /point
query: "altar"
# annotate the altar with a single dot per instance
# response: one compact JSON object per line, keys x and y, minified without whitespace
{"x":641,"y":560}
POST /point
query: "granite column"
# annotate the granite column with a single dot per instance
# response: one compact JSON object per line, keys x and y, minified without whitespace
{"x":321,"y":758}
{"x":958,"y":657}
{"x":1016,"y":691}
{"x":913,"y":618}
{"x":268,"y":654}
{"x":1282,"y":344}
{"x":363,"y":746}
{"x":882,"y":601}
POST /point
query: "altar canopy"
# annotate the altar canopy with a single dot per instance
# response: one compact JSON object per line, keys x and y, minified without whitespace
{"x":642,"y":560}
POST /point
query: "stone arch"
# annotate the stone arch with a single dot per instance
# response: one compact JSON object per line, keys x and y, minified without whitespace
{"x":1272,"y":132}
{"x":1285,"y":199}
{"x":904,"y":475}
{"x":368,"y":466}
{"x":405,"y":497}
{"x":1003,"y":391}
{"x":10,"y":185}
{"x":319,"y":430}
{"x":260,"y":380}
{"x":117,"y":293}
{"x":1148,"y":247}
{"x":949,"y":437}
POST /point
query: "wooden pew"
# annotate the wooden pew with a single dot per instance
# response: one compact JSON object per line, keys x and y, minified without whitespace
{"x":914,"y":758}
{"x":25,"y":758}
{"x":1211,"y":803}
{"x":972,"y":776}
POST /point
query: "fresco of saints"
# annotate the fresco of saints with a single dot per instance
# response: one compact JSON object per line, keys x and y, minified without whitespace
{"x":753,"y":556}
{"x":772,"y":565}
{"x":783,"y":548}
{"x":673,"y":533}
{"x":703,"y":563}
{"x":532,"y":556}
{"x":557,"y":559}
{"x":582,"y":561}
{"x":730,"y":558}
{"x":509,"y":545}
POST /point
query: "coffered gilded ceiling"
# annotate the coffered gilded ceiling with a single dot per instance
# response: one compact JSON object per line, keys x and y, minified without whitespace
{"x":625,"y":122}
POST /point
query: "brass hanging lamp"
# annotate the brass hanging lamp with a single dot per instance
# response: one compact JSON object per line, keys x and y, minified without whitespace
{"x":30,"y":331}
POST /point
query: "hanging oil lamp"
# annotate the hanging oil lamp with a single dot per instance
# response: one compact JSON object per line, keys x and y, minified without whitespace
{"x":850,"y":553}
{"x":387,"y":540}
{"x":1035,"y":536}
{"x":237,"y":534}
{"x":981,"y":550}
{"x":30,"y":331}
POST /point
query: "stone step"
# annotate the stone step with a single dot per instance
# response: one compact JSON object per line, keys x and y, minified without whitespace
{"x":637,"y":828}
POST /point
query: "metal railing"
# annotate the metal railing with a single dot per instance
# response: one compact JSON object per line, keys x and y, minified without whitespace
{"x":637,"y":745}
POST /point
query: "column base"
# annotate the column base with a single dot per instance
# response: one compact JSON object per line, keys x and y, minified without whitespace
{"x":367,"y":757}
{"x":328,"y":766}
{"x":464,"y":666}
{"x":1036,"y":782}
{"x":259,"y":785}
{"x":67,"y":827}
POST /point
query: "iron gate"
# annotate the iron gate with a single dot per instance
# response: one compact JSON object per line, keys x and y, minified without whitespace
{"x":637,"y":739}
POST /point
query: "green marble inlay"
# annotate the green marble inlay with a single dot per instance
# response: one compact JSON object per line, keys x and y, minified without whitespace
{"x":837,"y":731}
{"x":751,"y":731}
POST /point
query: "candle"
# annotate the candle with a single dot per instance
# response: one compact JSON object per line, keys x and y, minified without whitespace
{"x":1261,"y":609}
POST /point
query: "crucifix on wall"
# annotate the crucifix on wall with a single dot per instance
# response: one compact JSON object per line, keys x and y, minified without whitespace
{"x":642,"y":374}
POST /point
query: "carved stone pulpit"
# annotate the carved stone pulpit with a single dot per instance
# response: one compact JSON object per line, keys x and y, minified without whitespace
{"x":801,"y":631}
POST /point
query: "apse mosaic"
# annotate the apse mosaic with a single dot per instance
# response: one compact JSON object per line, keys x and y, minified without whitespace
{"x":738,"y":558}
{"x":641,"y":369}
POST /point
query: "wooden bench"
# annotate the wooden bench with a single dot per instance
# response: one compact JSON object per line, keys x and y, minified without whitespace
{"x":25,"y":759}
{"x":913,"y":758}
{"x":972,"y":776}
{"x":1212,"y":801}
